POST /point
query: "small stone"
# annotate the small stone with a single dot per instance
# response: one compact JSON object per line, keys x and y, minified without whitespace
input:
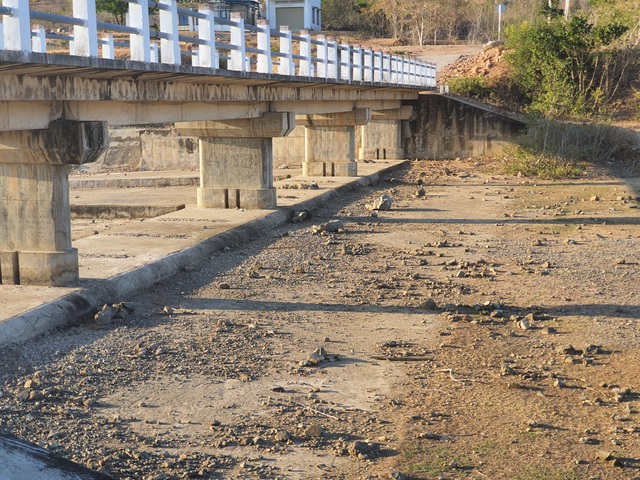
{"x":420,"y":192}
{"x":299,"y":216}
{"x":383,"y":202}
{"x":224,"y":286}
{"x":106,"y":315}
{"x":313,"y":431}
{"x":282,"y":436}
{"x":429,"y":304}
{"x":594,"y":198}
{"x":524,"y":324}
{"x":549,"y":330}
{"x":31,"y":384}
{"x":314,"y":360}
{"x":333,"y":226}
{"x":399,"y":476}
{"x":559,"y":383}
{"x":23,"y":395}
{"x":603,"y":455}
{"x":588,"y":441}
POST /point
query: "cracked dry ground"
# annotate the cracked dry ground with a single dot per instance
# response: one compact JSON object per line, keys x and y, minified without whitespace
{"x":526,"y":367}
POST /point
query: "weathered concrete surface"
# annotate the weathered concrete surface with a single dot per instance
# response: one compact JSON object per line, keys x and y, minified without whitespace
{"x":134,"y":93}
{"x":447,"y":127}
{"x":127,"y":256}
{"x":20,"y":460}
{"x":35,"y":238}
{"x":236,"y":162}
{"x":330,"y":142}
{"x":381,"y":137}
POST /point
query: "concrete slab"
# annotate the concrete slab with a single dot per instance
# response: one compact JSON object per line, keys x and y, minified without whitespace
{"x":118,"y":257}
{"x":20,"y":460}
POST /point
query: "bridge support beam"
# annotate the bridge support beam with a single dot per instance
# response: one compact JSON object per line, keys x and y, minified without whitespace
{"x":381,"y":138}
{"x":35,"y":222}
{"x":236,"y":159}
{"x":330,"y":143}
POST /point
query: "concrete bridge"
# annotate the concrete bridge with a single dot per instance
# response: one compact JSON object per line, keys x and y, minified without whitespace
{"x":60,"y":91}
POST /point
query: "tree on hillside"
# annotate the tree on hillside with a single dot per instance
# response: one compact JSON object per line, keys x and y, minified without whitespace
{"x":117,"y":8}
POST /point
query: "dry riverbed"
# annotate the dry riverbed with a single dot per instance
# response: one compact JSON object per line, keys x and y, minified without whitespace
{"x":484,"y":327}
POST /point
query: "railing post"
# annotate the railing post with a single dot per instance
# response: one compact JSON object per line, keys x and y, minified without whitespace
{"x":195,"y":58}
{"x":323,"y":58}
{"x":332,"y":57}
{"x":306,"y":67}
{"x":386,"y":68}
{"x":345,"y":60}
{"x":393,"y":69}
{"x":237,"y":61}
{"x":140,"y":42}
{"x":413,"y":75}
{"x":265,"y":64}
{"x":286,"y":66}
{"x":357,"y":63}
{"x":367,"y":74}
{"x":85,"y":37}
{"x":153,"y":52}
{"x":39,"y":40}
{"x":169,"y":47}
{"x":377,"y":66}
{"x":207,"y":53}
{"x":108,"y":47}
{"x":17,"y":28}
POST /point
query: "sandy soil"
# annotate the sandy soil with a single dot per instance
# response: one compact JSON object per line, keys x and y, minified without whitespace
{"x":309,"y":354}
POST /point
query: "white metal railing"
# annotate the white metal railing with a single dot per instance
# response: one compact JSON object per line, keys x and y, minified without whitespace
{"x":321,"y":57}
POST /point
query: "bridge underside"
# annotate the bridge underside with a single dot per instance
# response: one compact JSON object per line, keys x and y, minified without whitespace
{"x":54,"y":111}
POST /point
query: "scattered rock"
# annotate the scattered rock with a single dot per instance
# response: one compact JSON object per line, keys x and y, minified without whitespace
{"x":333,"y":226}
{"x":299,"y":216}
{"x":603,"y":455}
{"x":313,"y":431}
{"x":282,"y":436}
{"x":429,"y":304}
{"x":434,"y":436}
{"x":383,"y":202}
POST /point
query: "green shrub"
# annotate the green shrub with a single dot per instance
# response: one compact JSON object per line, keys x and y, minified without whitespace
{"x":472,"y":87}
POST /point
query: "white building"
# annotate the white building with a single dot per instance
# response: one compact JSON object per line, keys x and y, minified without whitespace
{"x":297,"y":14}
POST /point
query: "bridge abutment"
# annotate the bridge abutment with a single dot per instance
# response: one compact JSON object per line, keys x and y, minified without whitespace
{"x":381,"y":137}
{"x":330,"y":143}
{"x":35,"y":241}
{"x":236,"y":159}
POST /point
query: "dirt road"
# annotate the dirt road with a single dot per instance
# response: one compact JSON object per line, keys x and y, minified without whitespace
{"x":484,"y":327}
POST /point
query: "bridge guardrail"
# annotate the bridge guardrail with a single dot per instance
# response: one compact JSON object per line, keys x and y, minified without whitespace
{"x":295,"y":55}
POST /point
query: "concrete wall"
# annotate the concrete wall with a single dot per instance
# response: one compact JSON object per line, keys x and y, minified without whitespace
{"x":157,"y":148}
{"x":162,"y":148}
{"x":445,"y":127}
{"x":289,"y":150}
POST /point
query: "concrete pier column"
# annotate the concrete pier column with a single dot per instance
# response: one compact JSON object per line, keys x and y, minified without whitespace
{"x":35,"y":222}
{"x":381,"y":137}
{"x":330,"y":143}
{"x":236,"y":159}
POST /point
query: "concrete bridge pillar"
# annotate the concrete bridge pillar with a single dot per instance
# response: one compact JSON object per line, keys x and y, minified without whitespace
{"x":35,"y":222}
{"x":236,"y":162}
{"x":381,"y":138}
{"x":330,"y":143}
